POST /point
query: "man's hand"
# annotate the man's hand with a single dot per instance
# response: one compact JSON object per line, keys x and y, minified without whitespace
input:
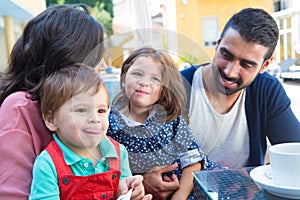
{"x":161,"y":187}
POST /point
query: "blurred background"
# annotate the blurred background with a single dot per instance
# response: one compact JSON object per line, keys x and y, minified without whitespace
{"x":187,"y":29}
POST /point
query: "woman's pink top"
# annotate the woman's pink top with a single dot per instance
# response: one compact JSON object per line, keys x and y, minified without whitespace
{"x":23,"y":136}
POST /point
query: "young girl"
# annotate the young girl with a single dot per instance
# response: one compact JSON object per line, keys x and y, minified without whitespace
{"x":81,"y":162}
{"x":147,"y":118}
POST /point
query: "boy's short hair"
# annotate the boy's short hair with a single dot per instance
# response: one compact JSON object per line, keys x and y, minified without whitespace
{"x":66,"y":83}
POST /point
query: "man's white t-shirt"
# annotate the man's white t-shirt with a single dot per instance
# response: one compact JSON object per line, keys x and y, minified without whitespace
{"x":223,"y":137}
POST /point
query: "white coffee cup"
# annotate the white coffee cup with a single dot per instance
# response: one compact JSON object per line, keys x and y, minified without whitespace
{"x":285,"y":164}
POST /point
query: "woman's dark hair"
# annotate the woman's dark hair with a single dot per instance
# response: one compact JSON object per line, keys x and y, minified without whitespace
{"x":57,"y":37}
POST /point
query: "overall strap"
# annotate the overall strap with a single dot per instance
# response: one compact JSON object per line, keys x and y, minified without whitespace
{"x":63,"y":169}
{"x":58,"y":159}
{"x":114,"y":163}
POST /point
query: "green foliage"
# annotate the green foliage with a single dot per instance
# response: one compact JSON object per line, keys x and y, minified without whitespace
{"x":104,"y":17}
{"x":188,"y":58}
{"x":54,"y":2}
{"x":108,"y":6}
{"x":91,"y":3}
{"x":102,"y":10}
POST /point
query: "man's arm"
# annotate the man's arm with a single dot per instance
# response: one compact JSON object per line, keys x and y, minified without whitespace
{"x":161,"y":188}
{"x":268,"y":115}
{"x":278,"y":122}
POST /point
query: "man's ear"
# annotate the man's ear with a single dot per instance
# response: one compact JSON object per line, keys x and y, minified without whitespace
{"x":50,"y":121}
{"x":218,"y":43}
{"x":265,"y":65}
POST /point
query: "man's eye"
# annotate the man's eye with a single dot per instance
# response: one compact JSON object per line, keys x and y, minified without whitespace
{"x":225,"y":55}
{"x":246,"y":65}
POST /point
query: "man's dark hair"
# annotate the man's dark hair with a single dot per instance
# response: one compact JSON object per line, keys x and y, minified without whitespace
{"x":255,"y":25}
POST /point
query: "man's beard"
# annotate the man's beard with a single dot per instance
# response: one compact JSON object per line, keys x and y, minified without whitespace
{"x":217,"y":74}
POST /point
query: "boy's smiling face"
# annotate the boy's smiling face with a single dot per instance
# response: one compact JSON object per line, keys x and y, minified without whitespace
{"x":82,"y":121}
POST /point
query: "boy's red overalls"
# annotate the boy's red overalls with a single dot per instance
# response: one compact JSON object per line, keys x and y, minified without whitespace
{"x":96,"y":186}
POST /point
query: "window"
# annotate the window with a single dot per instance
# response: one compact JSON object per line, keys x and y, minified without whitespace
{"x":210,"y":31}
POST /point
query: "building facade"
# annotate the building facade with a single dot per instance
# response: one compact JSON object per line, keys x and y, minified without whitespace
{"x":14,"y":14}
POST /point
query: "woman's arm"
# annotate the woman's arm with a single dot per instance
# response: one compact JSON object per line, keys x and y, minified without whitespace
{"x":17,"y":157}
{"x":23,"y":136}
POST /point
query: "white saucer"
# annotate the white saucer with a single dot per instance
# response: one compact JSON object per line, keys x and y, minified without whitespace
{"x":261,"y":176}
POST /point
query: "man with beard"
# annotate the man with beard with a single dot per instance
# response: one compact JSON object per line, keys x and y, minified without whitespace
{"x":233,"y":104}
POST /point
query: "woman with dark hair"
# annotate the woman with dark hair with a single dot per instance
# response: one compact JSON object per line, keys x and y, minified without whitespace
{"x":59,"y":36}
